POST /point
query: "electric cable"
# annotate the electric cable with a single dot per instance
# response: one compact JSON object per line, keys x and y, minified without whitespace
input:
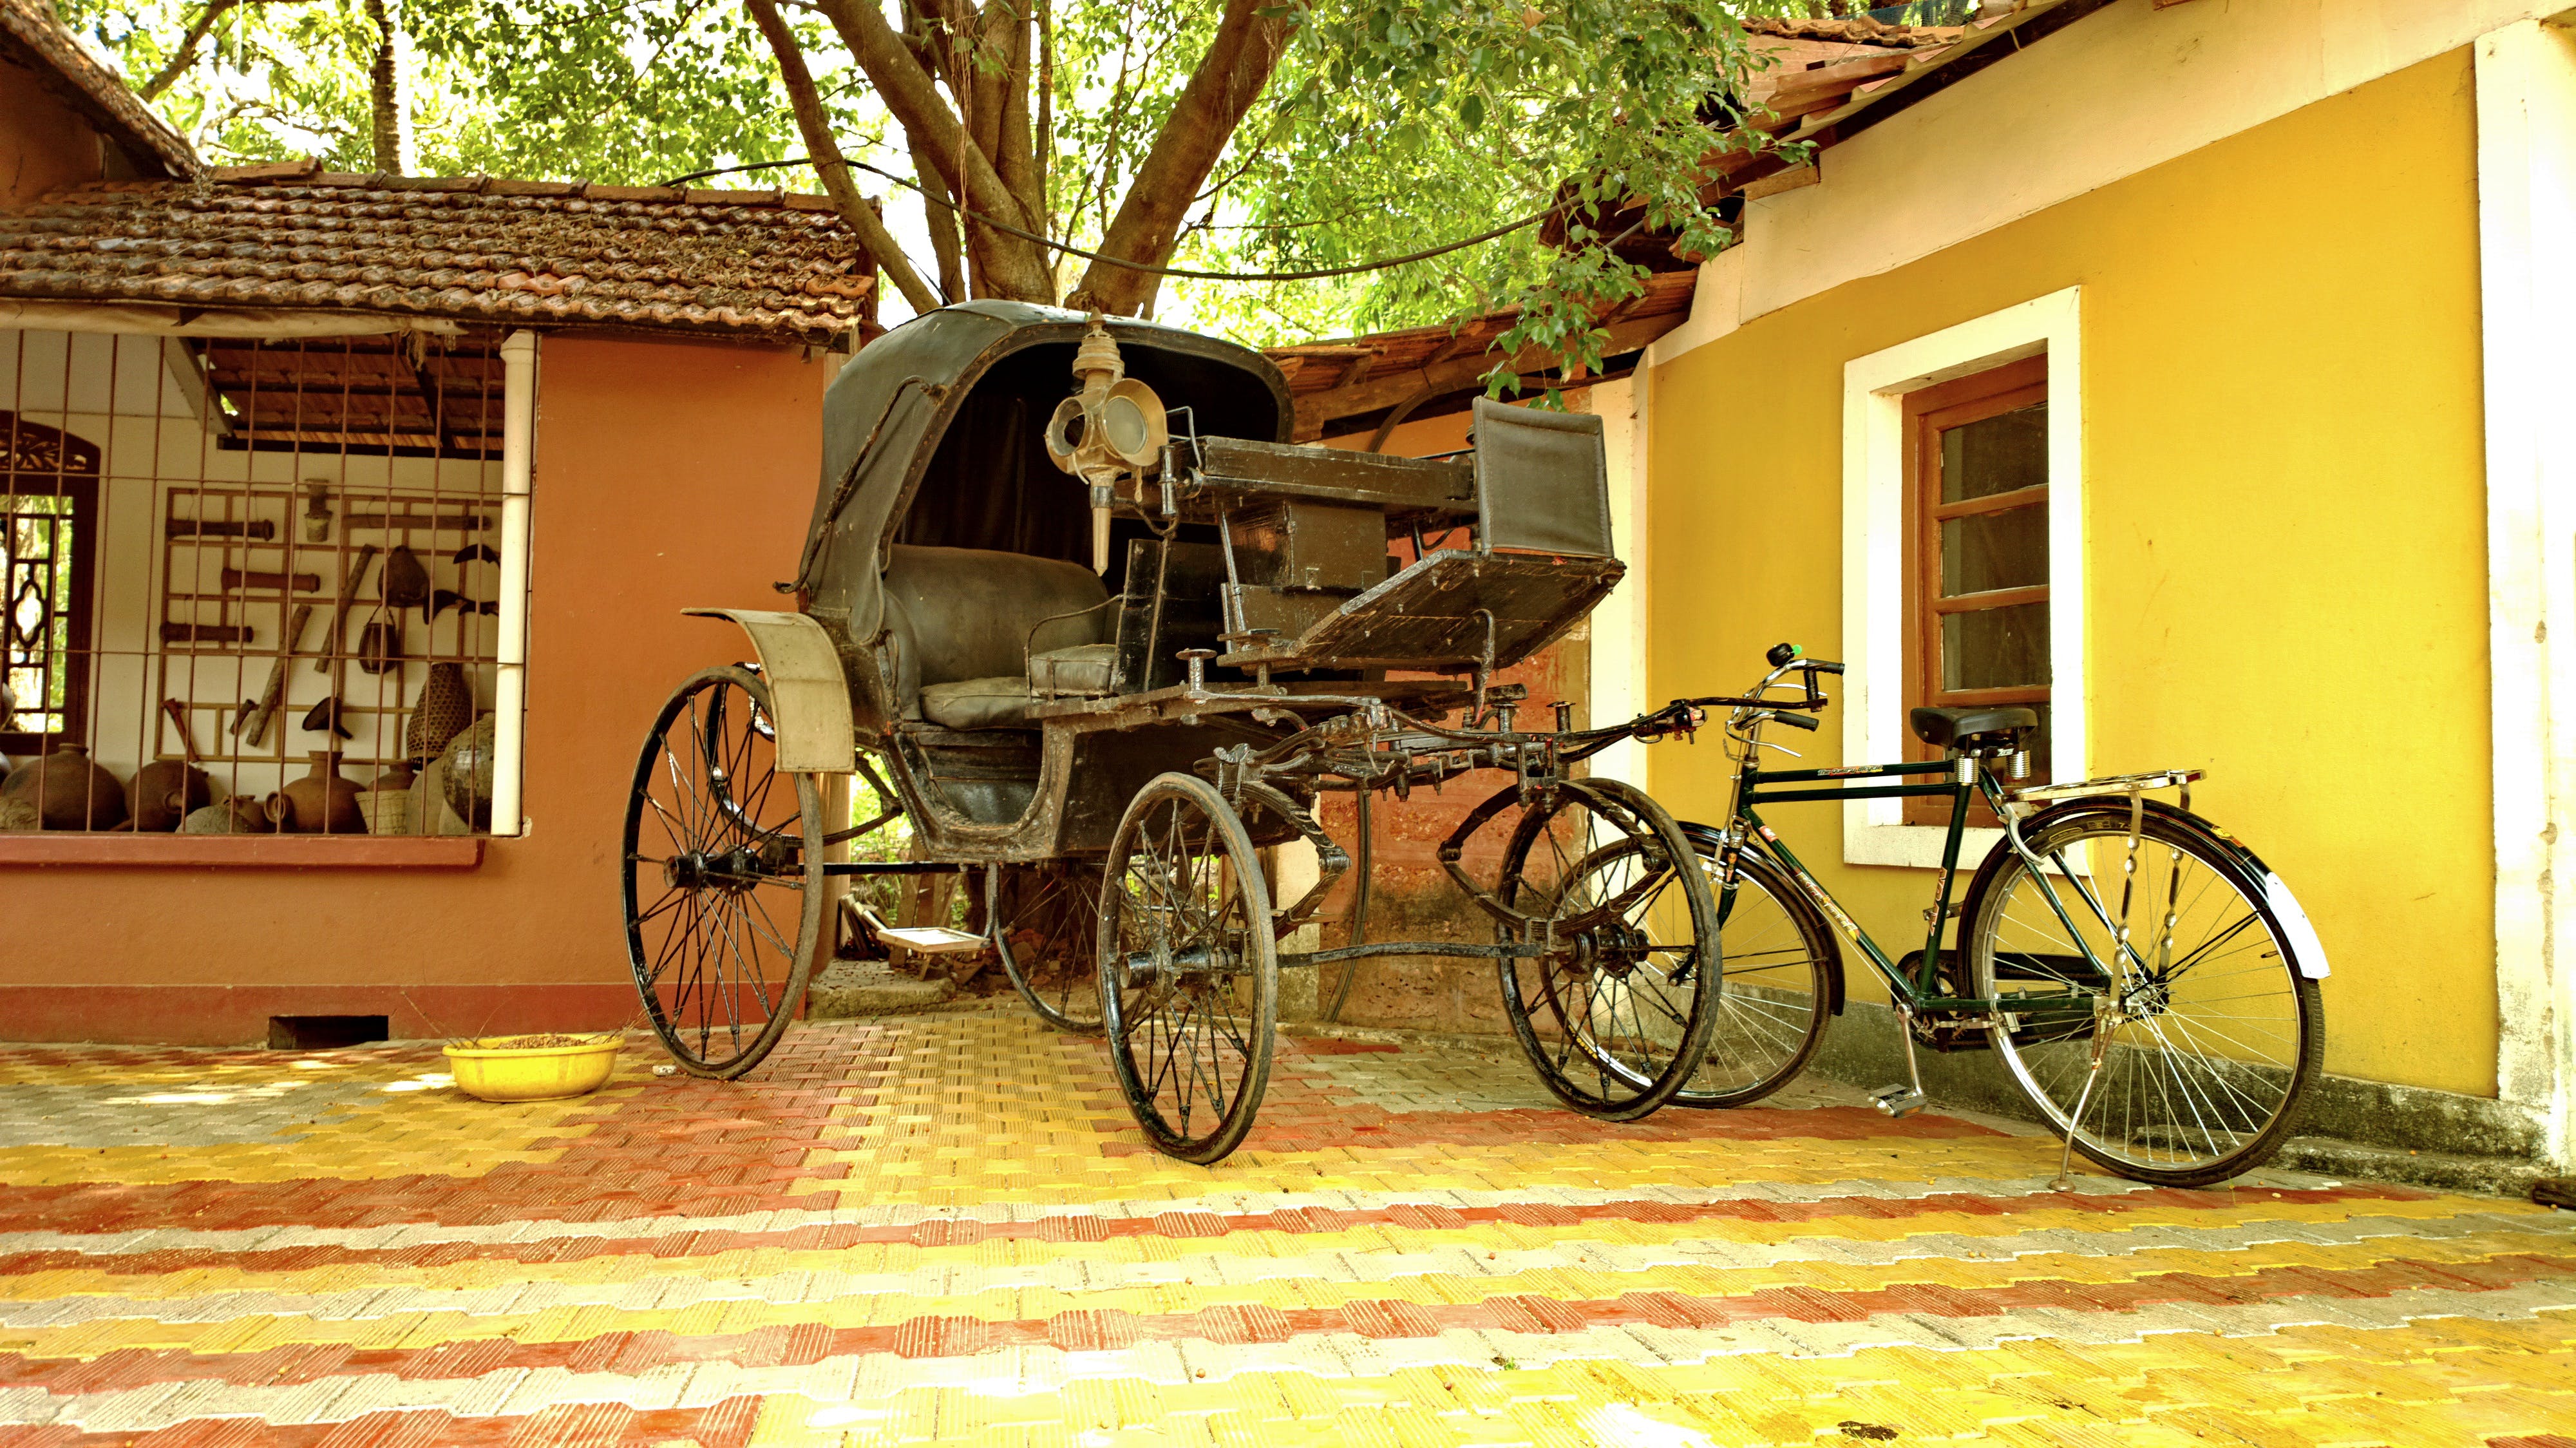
{"x":1185,"y":273}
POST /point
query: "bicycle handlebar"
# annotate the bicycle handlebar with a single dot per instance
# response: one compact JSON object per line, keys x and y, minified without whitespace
{"x":1797,"y":721}
{"x":1785,"y":655}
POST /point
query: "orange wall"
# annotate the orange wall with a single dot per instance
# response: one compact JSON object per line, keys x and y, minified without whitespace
{"x":667,"y":475}
{"x":42,"y":144}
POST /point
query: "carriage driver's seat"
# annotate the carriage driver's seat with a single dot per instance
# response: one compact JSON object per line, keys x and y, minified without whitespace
{"x":962,"y":620}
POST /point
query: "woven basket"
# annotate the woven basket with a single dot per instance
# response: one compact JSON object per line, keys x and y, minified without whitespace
{"x":444,"y":708}
{"x":387,"y":811}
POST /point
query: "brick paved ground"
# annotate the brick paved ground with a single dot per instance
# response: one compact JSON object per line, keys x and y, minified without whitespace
{"x":943,"y":1229}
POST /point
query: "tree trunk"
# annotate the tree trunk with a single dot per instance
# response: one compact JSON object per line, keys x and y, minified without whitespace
{"x":825,"y":149}
{"x":389,"y":90}
{"x":1008,"y":266}
{"x":1228,"y":80}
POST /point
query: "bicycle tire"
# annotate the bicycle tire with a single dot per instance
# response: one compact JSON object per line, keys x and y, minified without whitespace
{"x":2185,"y":1095}
{"x":1780,"y":969}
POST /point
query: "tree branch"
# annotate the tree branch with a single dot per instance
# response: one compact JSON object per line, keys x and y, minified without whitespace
{"x":186,"y":55}
{"x":940,"y":219}
{"x":1221,"y":91}
{"x":829,"y":164}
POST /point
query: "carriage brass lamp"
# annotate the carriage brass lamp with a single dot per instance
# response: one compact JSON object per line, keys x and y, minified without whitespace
{"x":1111,"y":431}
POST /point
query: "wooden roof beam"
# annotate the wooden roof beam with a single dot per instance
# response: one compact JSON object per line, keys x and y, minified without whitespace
{"x":1316,"y":410}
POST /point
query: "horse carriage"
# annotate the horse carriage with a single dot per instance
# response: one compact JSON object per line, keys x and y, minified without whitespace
{"x":1085,"y":623}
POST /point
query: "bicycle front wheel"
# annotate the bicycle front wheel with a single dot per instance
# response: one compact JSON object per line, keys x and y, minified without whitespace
{"x":2157,"y":952}
{"x":1615,"y":1005}
{"x":1780,"y":964}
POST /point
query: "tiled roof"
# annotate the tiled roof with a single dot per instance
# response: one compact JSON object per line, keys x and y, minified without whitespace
{"x":1360,"y":376}
{"x":752,"y":265}
{"x":1858,"y":30}
{"x":33,"y":37}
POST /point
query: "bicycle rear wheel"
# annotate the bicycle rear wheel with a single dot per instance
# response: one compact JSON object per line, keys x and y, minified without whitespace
{"x":2208,"y":1035}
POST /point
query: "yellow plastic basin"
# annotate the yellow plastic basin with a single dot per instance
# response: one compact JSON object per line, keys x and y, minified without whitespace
{"x":532,"y":1068}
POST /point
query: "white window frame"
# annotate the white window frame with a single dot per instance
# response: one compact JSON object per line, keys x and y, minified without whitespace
{"x":1875,"y":553}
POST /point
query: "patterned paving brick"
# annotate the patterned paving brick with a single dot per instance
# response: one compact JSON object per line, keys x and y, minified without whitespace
{"x":942,"y":1229}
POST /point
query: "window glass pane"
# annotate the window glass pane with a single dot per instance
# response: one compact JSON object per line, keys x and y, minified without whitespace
{"x":35,"y":631}
{"x":1994,"y":455}
{"x":1995,"y":648}
{"x":1994,"y":550}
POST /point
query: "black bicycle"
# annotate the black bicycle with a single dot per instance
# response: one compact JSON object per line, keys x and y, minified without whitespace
{"x":2147,"y":980}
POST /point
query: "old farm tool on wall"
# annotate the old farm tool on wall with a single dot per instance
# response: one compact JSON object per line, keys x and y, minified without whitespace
{"x":405,"y":584}
{"x":1072,"y":608}
{"x":250,"y":725}
{"x":237,"y":579}
{"x":327,"y":661}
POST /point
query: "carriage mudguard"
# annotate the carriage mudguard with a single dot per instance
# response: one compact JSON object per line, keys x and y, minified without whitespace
{"x":808,"y":698}
{"x":2277,"y":898}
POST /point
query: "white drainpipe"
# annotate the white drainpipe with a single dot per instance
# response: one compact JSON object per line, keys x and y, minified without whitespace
{"x":510,"y":689}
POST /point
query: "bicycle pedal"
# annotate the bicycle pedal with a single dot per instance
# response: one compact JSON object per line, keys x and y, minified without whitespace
{"x":1899,"y":1100}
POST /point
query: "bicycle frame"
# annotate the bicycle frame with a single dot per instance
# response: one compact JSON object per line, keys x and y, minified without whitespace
{"x":1918,"y":993}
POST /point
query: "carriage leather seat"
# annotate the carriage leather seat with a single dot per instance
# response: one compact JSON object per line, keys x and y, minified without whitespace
{"x":961,"y":619}
{"x":1943,"y":727}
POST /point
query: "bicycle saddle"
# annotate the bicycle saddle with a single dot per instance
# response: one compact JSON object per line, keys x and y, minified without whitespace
{"x":1942,"y":728}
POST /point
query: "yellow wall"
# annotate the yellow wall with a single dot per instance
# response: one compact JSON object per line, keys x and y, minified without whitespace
{"x":2285,"y":518}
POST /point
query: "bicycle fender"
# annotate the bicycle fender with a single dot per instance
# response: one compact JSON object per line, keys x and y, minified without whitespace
{"x":2285,"y":907}
{"x":1711,"y":839}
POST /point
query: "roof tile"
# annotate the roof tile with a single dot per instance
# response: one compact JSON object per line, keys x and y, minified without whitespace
{"x":756,"y":265}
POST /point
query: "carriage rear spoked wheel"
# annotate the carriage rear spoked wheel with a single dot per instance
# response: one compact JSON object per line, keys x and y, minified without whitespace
{"x":1616,"y":1010}
{"x":1045,"y":923}
{"x":723,"y":876}
{"x":1189,"y":968}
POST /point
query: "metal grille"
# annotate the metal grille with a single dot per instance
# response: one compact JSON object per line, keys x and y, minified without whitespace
{"x":269,"y":561}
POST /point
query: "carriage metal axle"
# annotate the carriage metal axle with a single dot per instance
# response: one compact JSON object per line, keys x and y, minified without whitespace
{"x":1291,"y":959}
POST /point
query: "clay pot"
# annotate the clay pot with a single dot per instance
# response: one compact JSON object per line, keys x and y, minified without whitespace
{"x":468,"y":759}
{"x":69,"y":791}
{"x":444,"y":708}
{"x":162,"y":793}
{"x":239,"y":815}
{"x":323,"y":802}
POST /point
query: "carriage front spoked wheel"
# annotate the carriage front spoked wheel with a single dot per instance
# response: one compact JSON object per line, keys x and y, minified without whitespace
{"x":1188,"y":968}
{"x":1045,"y":923}
{"x":2208,"y":1034}
{"x":723,"y":876}
{"x":1616,"y":1007}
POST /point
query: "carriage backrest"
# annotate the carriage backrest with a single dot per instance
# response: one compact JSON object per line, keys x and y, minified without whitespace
{"x":1542,"y":481}
{"x":967,"y":613}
